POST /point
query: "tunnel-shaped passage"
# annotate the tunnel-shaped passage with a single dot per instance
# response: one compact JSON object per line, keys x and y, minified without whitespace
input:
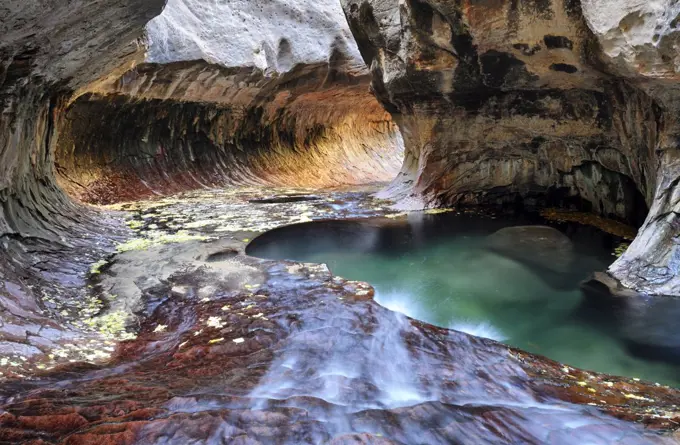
{"x":178,"y":336}
{"x":168,"y":128}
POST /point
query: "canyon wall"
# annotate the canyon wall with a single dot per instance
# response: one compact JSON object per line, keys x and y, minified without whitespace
{"x":536,"y":103}
{"x":100,"y":106}
{"x":525,"y":102}
{"x":246,"y":92}
{"x":48,"y":50}
{"x":187,"y":125}
{"x":273,"y":92}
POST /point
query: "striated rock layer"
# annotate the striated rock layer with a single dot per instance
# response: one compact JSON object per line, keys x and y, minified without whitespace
{"x":82,"y":113}
{"x":271,"y":93}
{"x":48,"y":50}
{"x":186,"y":125}
{"x":211,"y":358}
{"x":551,"y":102}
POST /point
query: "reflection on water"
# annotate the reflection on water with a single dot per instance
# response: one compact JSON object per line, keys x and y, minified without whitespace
{"x":518,"y":285}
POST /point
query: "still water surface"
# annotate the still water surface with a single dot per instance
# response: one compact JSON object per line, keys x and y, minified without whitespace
{"x":490,"y":277}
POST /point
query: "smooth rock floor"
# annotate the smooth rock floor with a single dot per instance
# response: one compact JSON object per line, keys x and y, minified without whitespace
{"x":208,"y":345}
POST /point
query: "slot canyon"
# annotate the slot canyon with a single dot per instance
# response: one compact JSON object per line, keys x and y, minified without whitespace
{"x":339,"y":222}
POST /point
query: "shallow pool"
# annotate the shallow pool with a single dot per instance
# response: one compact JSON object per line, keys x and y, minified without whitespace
{"x":510,"y":279}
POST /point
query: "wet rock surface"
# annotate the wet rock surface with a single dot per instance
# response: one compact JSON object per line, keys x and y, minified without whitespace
{"x":48,"y":51}
{"x":305,"y":364}
{"x":217,"y":346}
{"x":65,"y":304}
{"x":177,"y":336}
{"x":554,"y":103}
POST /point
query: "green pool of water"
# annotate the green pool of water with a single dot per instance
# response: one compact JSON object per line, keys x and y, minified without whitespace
{"x":472,"y":274}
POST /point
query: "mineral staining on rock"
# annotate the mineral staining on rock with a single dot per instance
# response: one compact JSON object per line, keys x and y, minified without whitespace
{"x":493,"y":101}
{"x":254,"y":349}
{"x":183,"y":227}
{"x":268,"y":93}
{"x":544,"y":103}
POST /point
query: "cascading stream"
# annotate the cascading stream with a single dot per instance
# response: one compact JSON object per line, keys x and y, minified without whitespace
{"x":210,"y":123}
{"x":496,"y":278}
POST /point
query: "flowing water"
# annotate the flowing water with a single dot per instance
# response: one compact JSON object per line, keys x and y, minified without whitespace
{"x":236,"y":349}
{"x":487,"y":276}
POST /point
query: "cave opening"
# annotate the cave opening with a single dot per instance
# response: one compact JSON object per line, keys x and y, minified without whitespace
{"x":288,"y":132}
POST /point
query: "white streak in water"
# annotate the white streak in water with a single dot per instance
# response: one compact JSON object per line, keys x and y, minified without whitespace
{"x":478,"y":329}
{"x":402,"y":302}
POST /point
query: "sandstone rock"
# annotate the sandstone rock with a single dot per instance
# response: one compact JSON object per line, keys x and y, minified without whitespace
{"x":180,"y":291}
{"x":225,"y":127}
{"x":507,"y":102}
{"x":302,"y":359}
{"x":272,"y":35}
{"x":637,"y":37}
{"x":238,"y":92}
{"x":12,"y":348}
{"x":361,"y":439}
{"x":541,"y":247}
{"x":47,"y":50}
{"x":524,"y":99}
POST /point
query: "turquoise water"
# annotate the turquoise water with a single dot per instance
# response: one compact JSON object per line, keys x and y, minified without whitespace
{"x":449,"y":270}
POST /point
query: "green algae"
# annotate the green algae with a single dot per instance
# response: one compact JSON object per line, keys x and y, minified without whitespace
{"x":111,"y":326}
{"x":96,"y":268}
{"x":620,"y":249}
{"x":157,"y":238}
{"x":134,"y":224}
{"x":438,"y":211}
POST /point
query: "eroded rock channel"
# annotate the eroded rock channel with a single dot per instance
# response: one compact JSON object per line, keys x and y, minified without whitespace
{"x":145,"y":144}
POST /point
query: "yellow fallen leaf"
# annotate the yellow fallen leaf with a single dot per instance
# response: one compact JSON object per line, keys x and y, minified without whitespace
{"x":636,"y":397}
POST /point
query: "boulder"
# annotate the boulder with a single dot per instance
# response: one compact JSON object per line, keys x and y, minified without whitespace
{"x":539,"y":247}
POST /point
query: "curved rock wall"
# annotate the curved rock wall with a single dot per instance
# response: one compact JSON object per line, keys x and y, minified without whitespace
{"x":75,"y":94}
{"x":553,"y":102}
{"x":54,"y":50}
{"x":48,"y":51}
{"x":506,"y":102}
{"x":271,"y":93}
{"x":184,"y":125}
{"x":637,"y":38}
